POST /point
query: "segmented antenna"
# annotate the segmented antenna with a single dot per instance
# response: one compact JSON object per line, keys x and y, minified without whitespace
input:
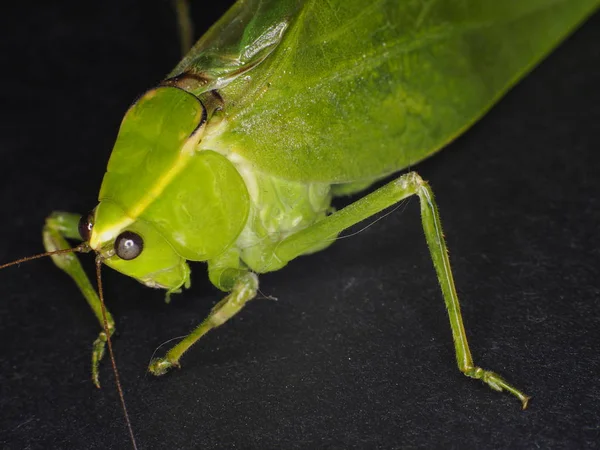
{"x":110,"y":351}
{"x":80,"y":248}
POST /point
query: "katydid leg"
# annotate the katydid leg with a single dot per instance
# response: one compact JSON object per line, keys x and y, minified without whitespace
{"x":59,"y":227}
{"x":244,"y":289}
{"x":388,"y":195}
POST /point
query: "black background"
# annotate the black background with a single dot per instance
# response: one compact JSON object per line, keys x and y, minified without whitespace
{"x":357,"y":352}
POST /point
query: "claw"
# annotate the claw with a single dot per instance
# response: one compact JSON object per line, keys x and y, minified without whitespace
{"x":160,"y":366}
{"x":497,"y":383}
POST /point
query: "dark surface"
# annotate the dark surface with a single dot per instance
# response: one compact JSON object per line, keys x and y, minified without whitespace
{"x":357,"y":352}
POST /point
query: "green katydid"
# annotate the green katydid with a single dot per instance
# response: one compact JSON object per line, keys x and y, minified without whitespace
{"x":282,"y":105}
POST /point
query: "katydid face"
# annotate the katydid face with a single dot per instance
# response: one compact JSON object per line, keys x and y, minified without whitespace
{"x":138,"y":250}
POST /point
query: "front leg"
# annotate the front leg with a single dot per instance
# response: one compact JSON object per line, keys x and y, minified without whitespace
{"x":244,"y":289}
{"x":59,"y":227}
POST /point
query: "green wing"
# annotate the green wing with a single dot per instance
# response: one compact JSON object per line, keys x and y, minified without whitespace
{"x":354,"y":90}
{"x":238,"y":42}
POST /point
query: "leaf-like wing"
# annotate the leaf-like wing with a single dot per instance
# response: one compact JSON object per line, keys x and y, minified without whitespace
{"x":355,"y":90}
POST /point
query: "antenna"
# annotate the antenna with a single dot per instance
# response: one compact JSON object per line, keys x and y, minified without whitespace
{"x":83,"y":248}
{"x":80,"y":248}
{"x":110,"y":351}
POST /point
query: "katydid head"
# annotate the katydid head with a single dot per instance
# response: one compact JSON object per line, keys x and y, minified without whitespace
{"x":164,"y":199}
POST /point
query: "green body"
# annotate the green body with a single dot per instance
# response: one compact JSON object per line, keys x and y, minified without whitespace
{"x":307,"y":99}
{"x":282,"y":105}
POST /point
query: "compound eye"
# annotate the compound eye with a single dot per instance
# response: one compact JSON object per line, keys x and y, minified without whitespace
{"x":128,"y":245}
{"x":85,"y":226}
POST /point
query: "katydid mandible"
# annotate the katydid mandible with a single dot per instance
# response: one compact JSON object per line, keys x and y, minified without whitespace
{"x":281,"y":106}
